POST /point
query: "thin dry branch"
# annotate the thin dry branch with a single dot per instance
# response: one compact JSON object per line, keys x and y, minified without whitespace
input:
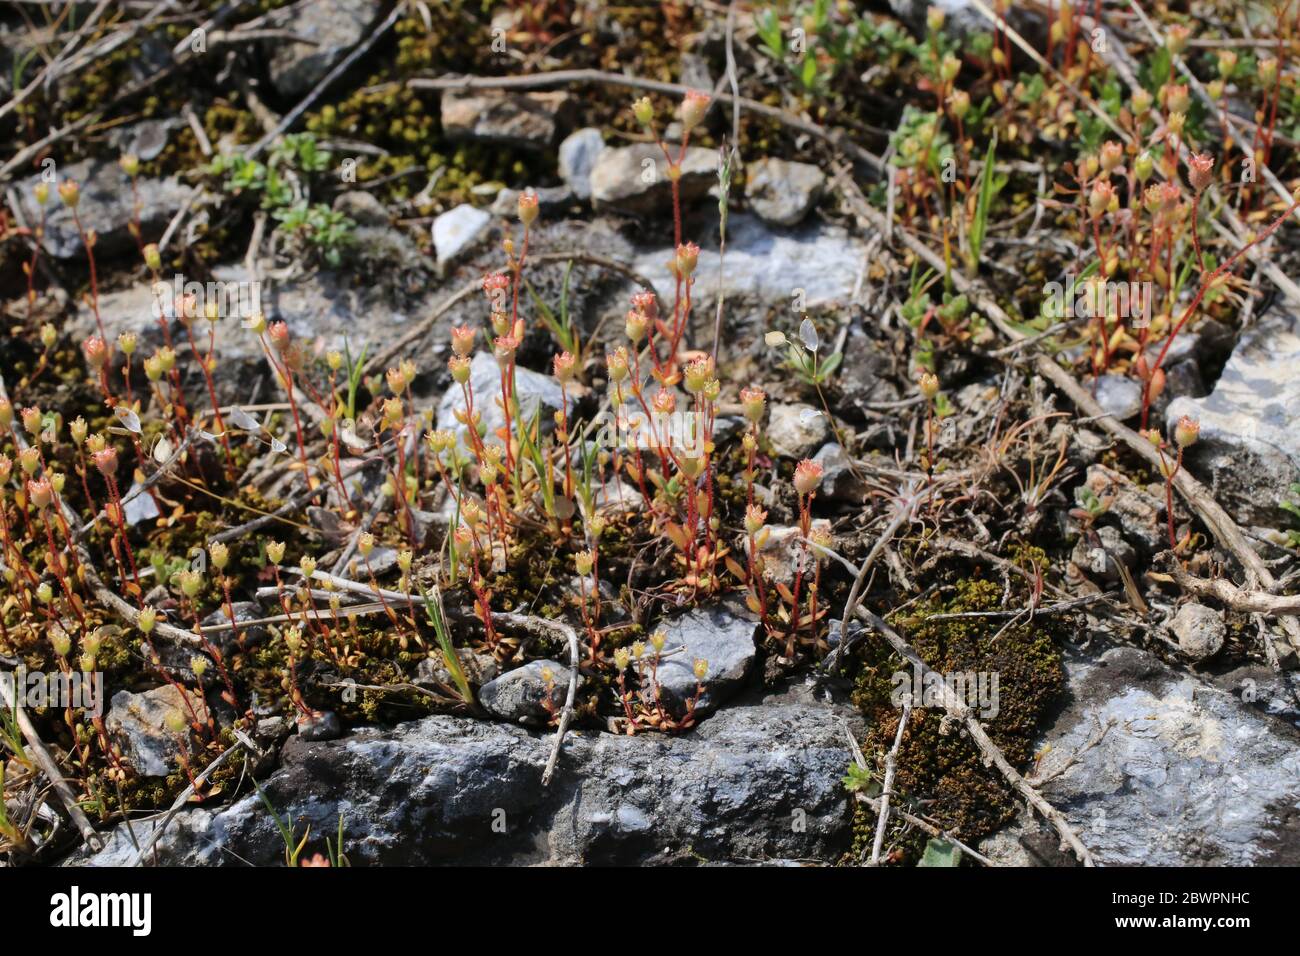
{"x":1224,"y":591}
{"x":891,"y":767}
{"x":49,"y":767}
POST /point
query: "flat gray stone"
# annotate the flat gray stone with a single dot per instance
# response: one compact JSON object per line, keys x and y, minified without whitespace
{"x":796,"y":430}
{"x":522,"y":120}
{"x":578,"y":154}
{"x":634,"y":179}
{"x":750,"y":784}
{"x":1188,"y":775}
{"x":781,"y":192}
{"x":106,"y":207}
{"x":1119,"y":395}
{"x":818,"y":262}
{"x":1200,"y":630}
{"x":520,"y":695}
{"x":1249,"y":447}
{"x":138,"y":724}
{"x":721,"y":635}
{"x":456,"y":230}
{"x":333,"y":26}
{"x":839,"y":483}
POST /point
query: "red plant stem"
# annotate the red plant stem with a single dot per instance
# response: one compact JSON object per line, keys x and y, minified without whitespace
{"x":1169,"y":494}
{"x":31,"y":276}
{"x":805,"y":522}
{"x":392,"y":615}
{"x":286,"y":377}
{"x":213,"y":652}
{"x":1196,"y":239}
{"x":121,"y":526}
{"x":1206,"y":282}
{"x":94,"y":277}
{"x":56,"y":565}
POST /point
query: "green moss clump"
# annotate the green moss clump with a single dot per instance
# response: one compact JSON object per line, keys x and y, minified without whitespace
{"x":937,"y":762}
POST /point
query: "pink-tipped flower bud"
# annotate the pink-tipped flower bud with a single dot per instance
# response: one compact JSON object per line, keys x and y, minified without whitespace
{"x":688,"y":256}
{"x":1112,"y":154}
{"x":106,"y":461}
{"x":31,"y":417}
{"x":1100,"y":198}
{"x":1200,"y":171}
{"x":96,"y":352}
{"x":278,"y":333}
{"x":1187,"y":431}
{"x":646,"y":304}
{"x":459,"y":366}
{"x":694,"y":107}
{"x":752,"y":400}
{"x":39,"y":492}
{"x":643,"y":110}
{"x":527,"y":207}
{"x":494,"y":284}
{"x":635,"y":326}
{"x":504,"y":349}
{"x":1227,"y":62}
{"x":462,"y":339}
{"x":1176,"y":38}
{"x":807,"y":476}
{"x":664,"y":401}
{"x":1175,"y":97}
{"x":616,"y":361}
{"x":697,"y":374}
{"x":563,"y":365}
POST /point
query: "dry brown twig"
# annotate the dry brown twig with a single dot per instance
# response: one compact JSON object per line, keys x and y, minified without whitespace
{"x":891,"y":766}
{"x":49,"y":767}
{"x":1224,"y":591}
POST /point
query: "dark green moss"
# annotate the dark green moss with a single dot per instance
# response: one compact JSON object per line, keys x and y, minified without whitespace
{"x":937,"y":763}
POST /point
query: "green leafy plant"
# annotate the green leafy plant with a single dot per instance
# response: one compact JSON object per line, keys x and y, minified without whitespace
{"x":285,"y":827}
{"x":859,"y":779}
{"x":438,"y":621}
{"x":990,"y":184}
{"x":284,"y":185}
{"x":940,"y":853}
{"x":823,"y":46}
{"x":334,"y":848}
{"x":561,"y":327}
{"x":802,"y":355}
{"x":12,"y":737}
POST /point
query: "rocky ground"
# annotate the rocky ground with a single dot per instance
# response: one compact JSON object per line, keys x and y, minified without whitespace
{"x":991,"y":505}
